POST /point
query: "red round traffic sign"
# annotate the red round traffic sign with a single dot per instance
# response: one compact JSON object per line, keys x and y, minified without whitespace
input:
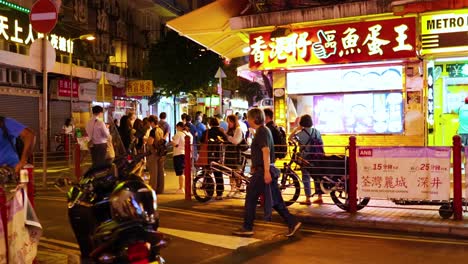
{"x":43,"y":16}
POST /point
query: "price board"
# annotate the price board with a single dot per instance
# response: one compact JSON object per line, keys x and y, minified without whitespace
{"x":421,"y":173}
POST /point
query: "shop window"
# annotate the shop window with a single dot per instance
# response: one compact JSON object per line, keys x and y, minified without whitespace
{"x":366,"y":100}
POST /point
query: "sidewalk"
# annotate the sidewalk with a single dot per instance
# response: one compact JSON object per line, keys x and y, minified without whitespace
{"x":378,"y":215}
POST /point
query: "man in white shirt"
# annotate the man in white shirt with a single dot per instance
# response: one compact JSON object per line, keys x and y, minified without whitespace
{"x":179,"y":153}
{"x":98,"y":133}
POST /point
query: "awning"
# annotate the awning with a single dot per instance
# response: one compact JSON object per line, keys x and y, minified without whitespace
{"x":209,"y":27}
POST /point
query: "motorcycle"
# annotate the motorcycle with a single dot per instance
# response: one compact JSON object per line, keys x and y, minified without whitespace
{"x":113,"y":213}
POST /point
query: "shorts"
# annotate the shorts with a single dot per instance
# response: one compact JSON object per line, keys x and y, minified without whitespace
{"x":179,"y":164}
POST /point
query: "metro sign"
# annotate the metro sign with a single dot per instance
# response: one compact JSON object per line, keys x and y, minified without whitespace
{"x":43,"y":16}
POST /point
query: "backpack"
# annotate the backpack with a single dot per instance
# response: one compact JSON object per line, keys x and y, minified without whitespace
{"x":281,"y":147}
{"x":279,"y":140}
{"x":18,"y":145}
{"x":313,"y":149}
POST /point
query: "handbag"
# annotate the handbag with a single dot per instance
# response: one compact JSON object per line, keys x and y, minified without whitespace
{"x":243,"y":146}
{"x":203,"y":153}
{"x":110,"y":152}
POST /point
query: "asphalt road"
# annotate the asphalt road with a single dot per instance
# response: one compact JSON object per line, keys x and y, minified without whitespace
{"x":198,"y":237}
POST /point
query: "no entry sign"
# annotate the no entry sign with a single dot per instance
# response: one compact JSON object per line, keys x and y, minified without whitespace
{"x":43,"y":16}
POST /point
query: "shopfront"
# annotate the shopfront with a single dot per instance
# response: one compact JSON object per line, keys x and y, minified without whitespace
{"x":444,"y":47}
{"x":359,"y":77}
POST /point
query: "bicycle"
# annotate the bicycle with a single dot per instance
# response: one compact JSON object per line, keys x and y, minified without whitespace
{"x":203,"y":186}
{"x":332,"y":172}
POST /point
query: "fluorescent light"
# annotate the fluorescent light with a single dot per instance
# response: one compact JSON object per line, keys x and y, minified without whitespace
{"x":322,"y":66}
{"x":451,"y":59}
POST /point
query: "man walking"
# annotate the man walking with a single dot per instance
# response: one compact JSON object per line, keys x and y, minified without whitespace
{"x":264,"y":178}
{"x":98,"y":134}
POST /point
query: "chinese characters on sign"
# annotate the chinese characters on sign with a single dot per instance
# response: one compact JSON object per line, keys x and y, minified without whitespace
{"x":11,"y":30}
{"x":140,"y":88}
{"x":364,"y":41}
{"x":64,"y":88}
{"x":404,"y":173}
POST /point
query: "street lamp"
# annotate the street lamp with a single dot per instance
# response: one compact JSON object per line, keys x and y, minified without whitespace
{"x":88,"y":37}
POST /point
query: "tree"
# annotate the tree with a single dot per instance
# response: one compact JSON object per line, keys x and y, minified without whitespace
{"x":178,"y":65}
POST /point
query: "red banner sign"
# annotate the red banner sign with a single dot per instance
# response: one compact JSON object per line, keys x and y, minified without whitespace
{"x":356,"y":42}
{"x":64,"y":88}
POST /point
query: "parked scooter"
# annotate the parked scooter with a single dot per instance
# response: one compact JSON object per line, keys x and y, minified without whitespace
{"x":113,"y":213}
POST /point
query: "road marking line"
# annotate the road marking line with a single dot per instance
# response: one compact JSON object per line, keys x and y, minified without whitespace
{"x":223,"y":241}
{"x":51,"y":198}
{"x":60,"y":242}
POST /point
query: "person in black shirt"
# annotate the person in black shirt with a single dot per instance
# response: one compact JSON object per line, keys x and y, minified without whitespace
{"x":216,"y":137}
{"x":264,"y":178}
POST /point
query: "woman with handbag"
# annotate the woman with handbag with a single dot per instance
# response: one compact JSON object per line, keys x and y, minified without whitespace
{"x":232,"y":156}
{"x":214,"y":137}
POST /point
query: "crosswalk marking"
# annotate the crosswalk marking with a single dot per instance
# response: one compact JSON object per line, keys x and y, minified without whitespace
{"x":229,"y":242}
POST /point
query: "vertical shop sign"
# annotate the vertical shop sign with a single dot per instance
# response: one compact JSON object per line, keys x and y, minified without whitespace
{"x":430,"y":93}
{"x":421,"y":173}
{"x":280,"y":106}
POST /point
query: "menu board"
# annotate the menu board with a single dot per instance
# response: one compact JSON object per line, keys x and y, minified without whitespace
{"x":369,"y":113}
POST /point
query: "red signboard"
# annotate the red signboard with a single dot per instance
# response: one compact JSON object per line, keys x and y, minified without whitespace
{"x":343,"y":43}
{"x":64,"y":88}
{"x":43,"y":16}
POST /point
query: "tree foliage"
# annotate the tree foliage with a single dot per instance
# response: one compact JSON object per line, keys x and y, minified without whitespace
{"x":178,"y":65}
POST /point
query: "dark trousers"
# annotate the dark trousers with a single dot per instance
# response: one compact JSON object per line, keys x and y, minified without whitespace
{"x":98,"y":155}
{"x":256,"y":188}
{"x":219,"y":183}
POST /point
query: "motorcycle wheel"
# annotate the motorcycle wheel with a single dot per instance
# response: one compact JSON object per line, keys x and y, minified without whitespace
{"x":203,"y":188}
{"x":290,"y":187}
{"x":341,"y":199}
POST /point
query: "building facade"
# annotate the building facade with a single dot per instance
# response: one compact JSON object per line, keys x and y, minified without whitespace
{"x":84,"y":73}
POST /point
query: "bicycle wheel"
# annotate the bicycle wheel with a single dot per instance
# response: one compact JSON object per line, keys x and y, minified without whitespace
{"x":341,"y":199}
{"x":289,"y":186}
{"x":203,"y":187}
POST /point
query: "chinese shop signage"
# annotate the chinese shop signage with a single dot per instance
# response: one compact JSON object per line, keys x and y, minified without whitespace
{"x":356,"y":42}
{"x":12,"y":30}
{"x":421,"y":173}
{"x":444,"y":32}
{"x":140,"y":88}
{"x":63,"y":87}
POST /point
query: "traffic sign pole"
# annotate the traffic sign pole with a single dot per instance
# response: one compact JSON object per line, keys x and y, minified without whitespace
{"x":43,"y":18}
{"x":45,"y":112}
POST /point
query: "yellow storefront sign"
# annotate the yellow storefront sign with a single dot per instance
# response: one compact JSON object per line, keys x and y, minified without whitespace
{"x":444,"y":31}
{"x":140,"y":88}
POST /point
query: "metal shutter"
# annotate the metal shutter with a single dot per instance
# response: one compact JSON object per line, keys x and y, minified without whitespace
{"x":58,"y":112}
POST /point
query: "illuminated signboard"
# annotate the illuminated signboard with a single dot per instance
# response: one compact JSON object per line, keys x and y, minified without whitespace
{"x":357,"y":113}
{"x":10,"y":29}
{"x":444,"y":32}
{"x":356,"y":42}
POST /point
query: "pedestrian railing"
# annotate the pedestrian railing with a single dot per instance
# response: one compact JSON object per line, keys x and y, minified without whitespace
{"x":353,"y":177}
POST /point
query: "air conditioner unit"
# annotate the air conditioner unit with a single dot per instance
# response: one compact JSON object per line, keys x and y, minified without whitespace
{"x":3,"y":75}
{"x":14,"y":77}
{"x":29,"y":79}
